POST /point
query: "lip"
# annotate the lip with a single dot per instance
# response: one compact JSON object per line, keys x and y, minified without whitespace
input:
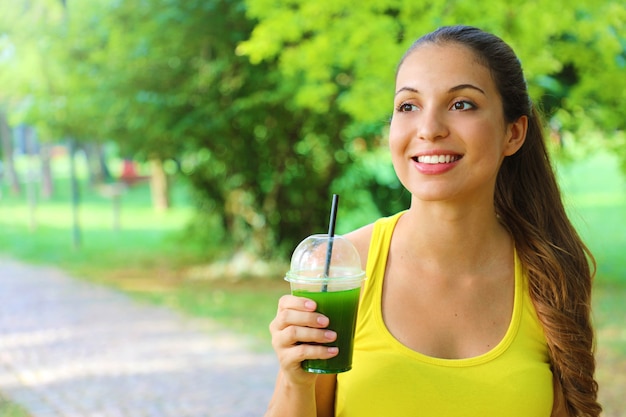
{"x":446,"y":161}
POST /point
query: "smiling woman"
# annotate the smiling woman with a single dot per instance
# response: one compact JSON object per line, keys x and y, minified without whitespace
{"x":478,"y":295}
{"x":453,"y":119}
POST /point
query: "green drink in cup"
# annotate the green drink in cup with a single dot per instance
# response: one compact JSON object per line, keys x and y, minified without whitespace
{"x":327,"y":270}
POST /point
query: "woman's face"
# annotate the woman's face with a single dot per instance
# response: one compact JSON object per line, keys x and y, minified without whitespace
{"x":448,"y":135}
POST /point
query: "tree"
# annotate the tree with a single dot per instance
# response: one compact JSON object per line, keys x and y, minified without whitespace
{"x":265,"y":119}
{"x":70,"y":87}
{"x":8,"y":167}
{"x":264,"y":166}
{"x":570,"y":50}
{"x":268,"y":164}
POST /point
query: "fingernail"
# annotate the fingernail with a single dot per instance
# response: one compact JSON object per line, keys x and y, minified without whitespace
{"x":333,"y":350}
{"x":323,"y":321}
{"x":309,"y":305}
{"x":330,"y":335}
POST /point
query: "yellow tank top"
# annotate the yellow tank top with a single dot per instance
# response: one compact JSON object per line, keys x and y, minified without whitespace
{"x":390,"y":380}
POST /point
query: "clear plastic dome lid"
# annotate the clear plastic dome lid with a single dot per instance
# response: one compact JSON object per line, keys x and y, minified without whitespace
{"x":309,"y":260}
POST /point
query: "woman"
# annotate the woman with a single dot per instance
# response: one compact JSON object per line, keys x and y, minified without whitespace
{"x":477,"y":301}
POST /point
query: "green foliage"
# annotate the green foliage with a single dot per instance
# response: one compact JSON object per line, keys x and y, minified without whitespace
{"x":45,"y":91}
{"x":257,"y":160}
{"x":330,"y":45}
{"x":372,"y":188}
{"x":574,"y":52}
{"x":269,"y":107}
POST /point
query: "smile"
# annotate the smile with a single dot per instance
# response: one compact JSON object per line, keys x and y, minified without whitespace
{"x":436,"y":159}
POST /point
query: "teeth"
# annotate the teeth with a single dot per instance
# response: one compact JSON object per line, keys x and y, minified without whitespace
{"x":436,"y":159}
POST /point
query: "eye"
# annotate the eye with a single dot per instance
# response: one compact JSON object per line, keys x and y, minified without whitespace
{"x":406,"y":107}
{"x":463,"y":105}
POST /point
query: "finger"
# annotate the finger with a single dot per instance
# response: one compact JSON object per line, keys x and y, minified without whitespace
{"x":286,"y":318}
{"x":291,"y":302}
{"x":295,"y":335}
{"x":294,"y":357}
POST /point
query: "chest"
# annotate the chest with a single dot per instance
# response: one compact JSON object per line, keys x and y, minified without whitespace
{"x":389,"y":384}
{"x":447,"y":315}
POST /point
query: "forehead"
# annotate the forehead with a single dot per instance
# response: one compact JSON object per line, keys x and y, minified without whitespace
{"x":442,"y":64}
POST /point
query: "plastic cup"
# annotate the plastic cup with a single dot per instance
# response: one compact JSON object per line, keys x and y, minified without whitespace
{"x":336,"y":295}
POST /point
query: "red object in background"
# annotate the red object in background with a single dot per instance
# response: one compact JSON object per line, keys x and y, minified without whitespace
{"x":129,"y":175}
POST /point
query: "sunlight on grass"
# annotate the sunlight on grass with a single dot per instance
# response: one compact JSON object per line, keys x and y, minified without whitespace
{"x":97,"y":217}
{"x":145,"y":238}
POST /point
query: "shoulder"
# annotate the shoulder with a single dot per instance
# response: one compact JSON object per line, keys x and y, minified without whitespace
{"x":360,"y":238}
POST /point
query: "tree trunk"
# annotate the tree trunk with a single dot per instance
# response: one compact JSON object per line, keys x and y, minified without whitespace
{"x":47,"y":183}
{"x":9,"y":172}
{"x":98,"y":171}
{"x":159,"y":186}
{"x":31,"y":148}
{"x":76,"y":229}
{"x":102,"y":163}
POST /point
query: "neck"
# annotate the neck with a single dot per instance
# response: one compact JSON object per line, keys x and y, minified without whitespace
{"x":469,"y":234}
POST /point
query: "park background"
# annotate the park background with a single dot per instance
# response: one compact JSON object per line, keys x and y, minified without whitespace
{"x":178,"y":150}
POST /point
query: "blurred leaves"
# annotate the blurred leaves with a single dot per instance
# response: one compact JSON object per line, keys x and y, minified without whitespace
{"x":573,"y":52}
{"x":269,"y":107}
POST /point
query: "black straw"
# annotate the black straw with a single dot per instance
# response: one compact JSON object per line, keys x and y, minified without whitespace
{"x":331,"y":236}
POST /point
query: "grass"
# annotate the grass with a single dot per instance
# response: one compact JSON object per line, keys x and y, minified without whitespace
{"x":10,"y":409}
{"x":51,"y":239}
{"x":149,"y":258}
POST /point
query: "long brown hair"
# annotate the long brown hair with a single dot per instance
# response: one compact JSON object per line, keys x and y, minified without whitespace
{"x":528,"y":200}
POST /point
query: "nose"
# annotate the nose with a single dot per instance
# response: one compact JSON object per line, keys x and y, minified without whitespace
{"x":431,"y":124}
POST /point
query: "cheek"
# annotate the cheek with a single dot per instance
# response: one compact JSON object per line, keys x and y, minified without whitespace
{"x":397,"y":136}
{"x":397,"y":147}
{"x":397,"y":150}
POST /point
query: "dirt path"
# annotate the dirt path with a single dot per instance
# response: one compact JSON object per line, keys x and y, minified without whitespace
{"x":72,"y":349}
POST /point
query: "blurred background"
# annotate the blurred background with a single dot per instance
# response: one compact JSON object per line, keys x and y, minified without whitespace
{"x":178,"y":150}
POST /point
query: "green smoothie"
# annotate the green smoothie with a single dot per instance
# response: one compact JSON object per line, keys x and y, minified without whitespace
{"x":341,"y":308}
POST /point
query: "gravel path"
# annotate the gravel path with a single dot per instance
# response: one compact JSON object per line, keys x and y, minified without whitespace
{"x":72,"y":349}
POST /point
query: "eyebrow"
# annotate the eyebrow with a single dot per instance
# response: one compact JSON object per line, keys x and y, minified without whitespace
{"x":452,"y":90}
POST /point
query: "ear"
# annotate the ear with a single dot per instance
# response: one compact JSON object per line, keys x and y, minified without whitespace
{"x":515,"y":135}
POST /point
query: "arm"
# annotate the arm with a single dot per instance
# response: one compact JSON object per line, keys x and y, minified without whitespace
{"x":296,"y":393}
{"x":325,"y":395}
{"x":317,"y":400}
{"x":290,"y":399}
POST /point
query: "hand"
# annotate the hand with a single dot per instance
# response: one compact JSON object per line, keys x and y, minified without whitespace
{"x":294,"y":328}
